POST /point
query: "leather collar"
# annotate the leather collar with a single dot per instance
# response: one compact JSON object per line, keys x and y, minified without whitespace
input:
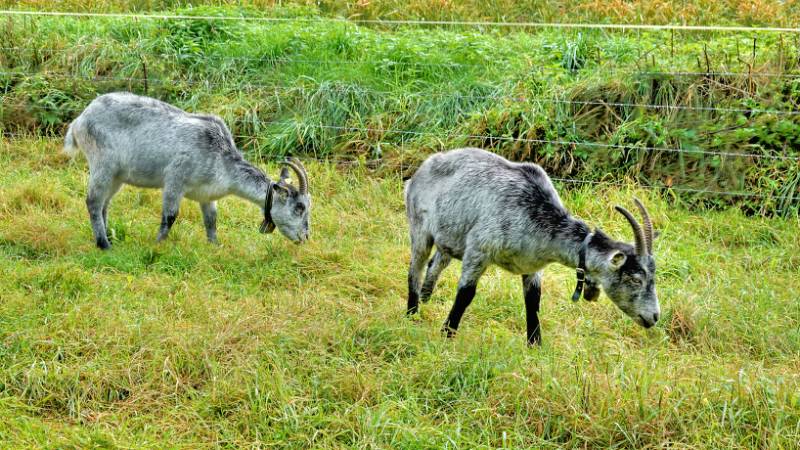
{"x":580,"y":271}
{"x":268,"y":226}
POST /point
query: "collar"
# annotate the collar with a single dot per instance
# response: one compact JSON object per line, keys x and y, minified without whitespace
{"x":580,"y":271}
{"x":268,"y":226}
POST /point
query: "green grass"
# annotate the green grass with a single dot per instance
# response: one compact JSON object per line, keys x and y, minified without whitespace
{"x":341,"y":90}
{"x":694,"y":12}
{"x":259,"y":342}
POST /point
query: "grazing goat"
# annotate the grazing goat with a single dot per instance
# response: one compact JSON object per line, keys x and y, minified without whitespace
{"x":141,"y":141}
{"x":483,"y":209}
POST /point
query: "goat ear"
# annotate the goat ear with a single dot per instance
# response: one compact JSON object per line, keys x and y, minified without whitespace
{"x":281,"y":191}
{"x":616,"y":259}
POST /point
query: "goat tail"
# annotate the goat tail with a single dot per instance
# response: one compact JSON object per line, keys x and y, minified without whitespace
{"x":71,"y":148}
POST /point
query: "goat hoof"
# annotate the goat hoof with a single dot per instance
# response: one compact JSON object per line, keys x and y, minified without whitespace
{"x":448,"y":332}
{"x":103,"y":244}
{"x":535,"y":341}
{"x":413,"y":317}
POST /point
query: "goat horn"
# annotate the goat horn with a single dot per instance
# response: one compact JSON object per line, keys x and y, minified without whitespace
{"x":301,"y":177}
{"x":638,"y":234}
{"x":301,"y":166}
{"x":303,"y":170}
{"x":648,"y":225}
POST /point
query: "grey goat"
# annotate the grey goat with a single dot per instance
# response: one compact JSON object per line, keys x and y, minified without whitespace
{"x":141,"y":141}
{"x":483,"y":209}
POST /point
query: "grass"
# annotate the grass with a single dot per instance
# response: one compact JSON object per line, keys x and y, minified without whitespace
{"x":333,"y":89}
{"x":262,"y":343}
{"x":694,"y":12}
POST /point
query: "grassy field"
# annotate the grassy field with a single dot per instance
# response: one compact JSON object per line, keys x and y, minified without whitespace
{"x":262,"y":343}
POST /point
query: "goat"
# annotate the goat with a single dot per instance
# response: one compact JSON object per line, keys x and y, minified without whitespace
{"x":144,"y":142}
{"x":480,"y":208}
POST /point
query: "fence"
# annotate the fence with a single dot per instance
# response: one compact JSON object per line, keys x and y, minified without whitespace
{"x":788,"y":195}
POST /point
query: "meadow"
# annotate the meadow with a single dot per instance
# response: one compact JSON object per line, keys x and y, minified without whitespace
{"x":262,"y":343}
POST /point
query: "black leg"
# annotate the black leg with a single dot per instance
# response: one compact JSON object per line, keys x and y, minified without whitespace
{"x":172,"y":201}
{"x":472,"y":267}
{"x":532,"y":287}
{"x":166,"y":224}
{"x":413,"y":297}
{"x":463,"y":299}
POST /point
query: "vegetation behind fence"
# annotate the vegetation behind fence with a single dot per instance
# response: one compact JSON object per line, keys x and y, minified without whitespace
{"x":676,"y":111}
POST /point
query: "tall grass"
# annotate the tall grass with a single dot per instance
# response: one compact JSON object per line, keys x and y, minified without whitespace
{"x":263,"y":343}
{"x":695,"y":12}
{"x":333,"y":89}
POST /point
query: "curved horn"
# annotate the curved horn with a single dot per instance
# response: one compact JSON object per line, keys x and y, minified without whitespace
{"x":638,"y":234}
{"x":302,"y":168}
{"x":304,"y":173}
{"x":648,"y":225}
{"x":296,"y":166}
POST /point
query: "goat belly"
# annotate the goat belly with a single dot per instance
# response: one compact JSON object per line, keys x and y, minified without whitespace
{"x":517,"y":264}
{"x":205,"y":193}
{"x":508,"y":263}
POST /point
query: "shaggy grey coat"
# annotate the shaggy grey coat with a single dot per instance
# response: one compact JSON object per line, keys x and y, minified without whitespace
{"x":480,"y":208}
{"x":141,"y":141}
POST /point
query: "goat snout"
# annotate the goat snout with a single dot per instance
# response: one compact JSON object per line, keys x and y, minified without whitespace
{"x":648,"y":322}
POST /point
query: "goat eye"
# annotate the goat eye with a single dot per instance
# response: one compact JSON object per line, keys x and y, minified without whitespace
{"x":299,"y":209}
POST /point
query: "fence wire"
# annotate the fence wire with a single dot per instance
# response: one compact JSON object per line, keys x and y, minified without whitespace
{"x":423,"y":95}
{"x":711,"y":73}
{"x":513,"y":98}
{"x":387,"y":22}
{"x":485,"y":137}
{"x":394,"y":164}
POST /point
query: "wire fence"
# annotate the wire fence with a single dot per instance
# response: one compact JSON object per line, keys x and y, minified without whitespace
{"x":529,"y":65}
{"x":448,"y":136}
{"x":395,"y":164}
{"x":445,"y":136}
{"x":420,"y":95}
{"x":400,"y":165}
{"x":388,"y":22}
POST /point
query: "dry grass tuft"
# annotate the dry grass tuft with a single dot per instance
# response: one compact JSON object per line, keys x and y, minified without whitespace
{"x":681,"y":326}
